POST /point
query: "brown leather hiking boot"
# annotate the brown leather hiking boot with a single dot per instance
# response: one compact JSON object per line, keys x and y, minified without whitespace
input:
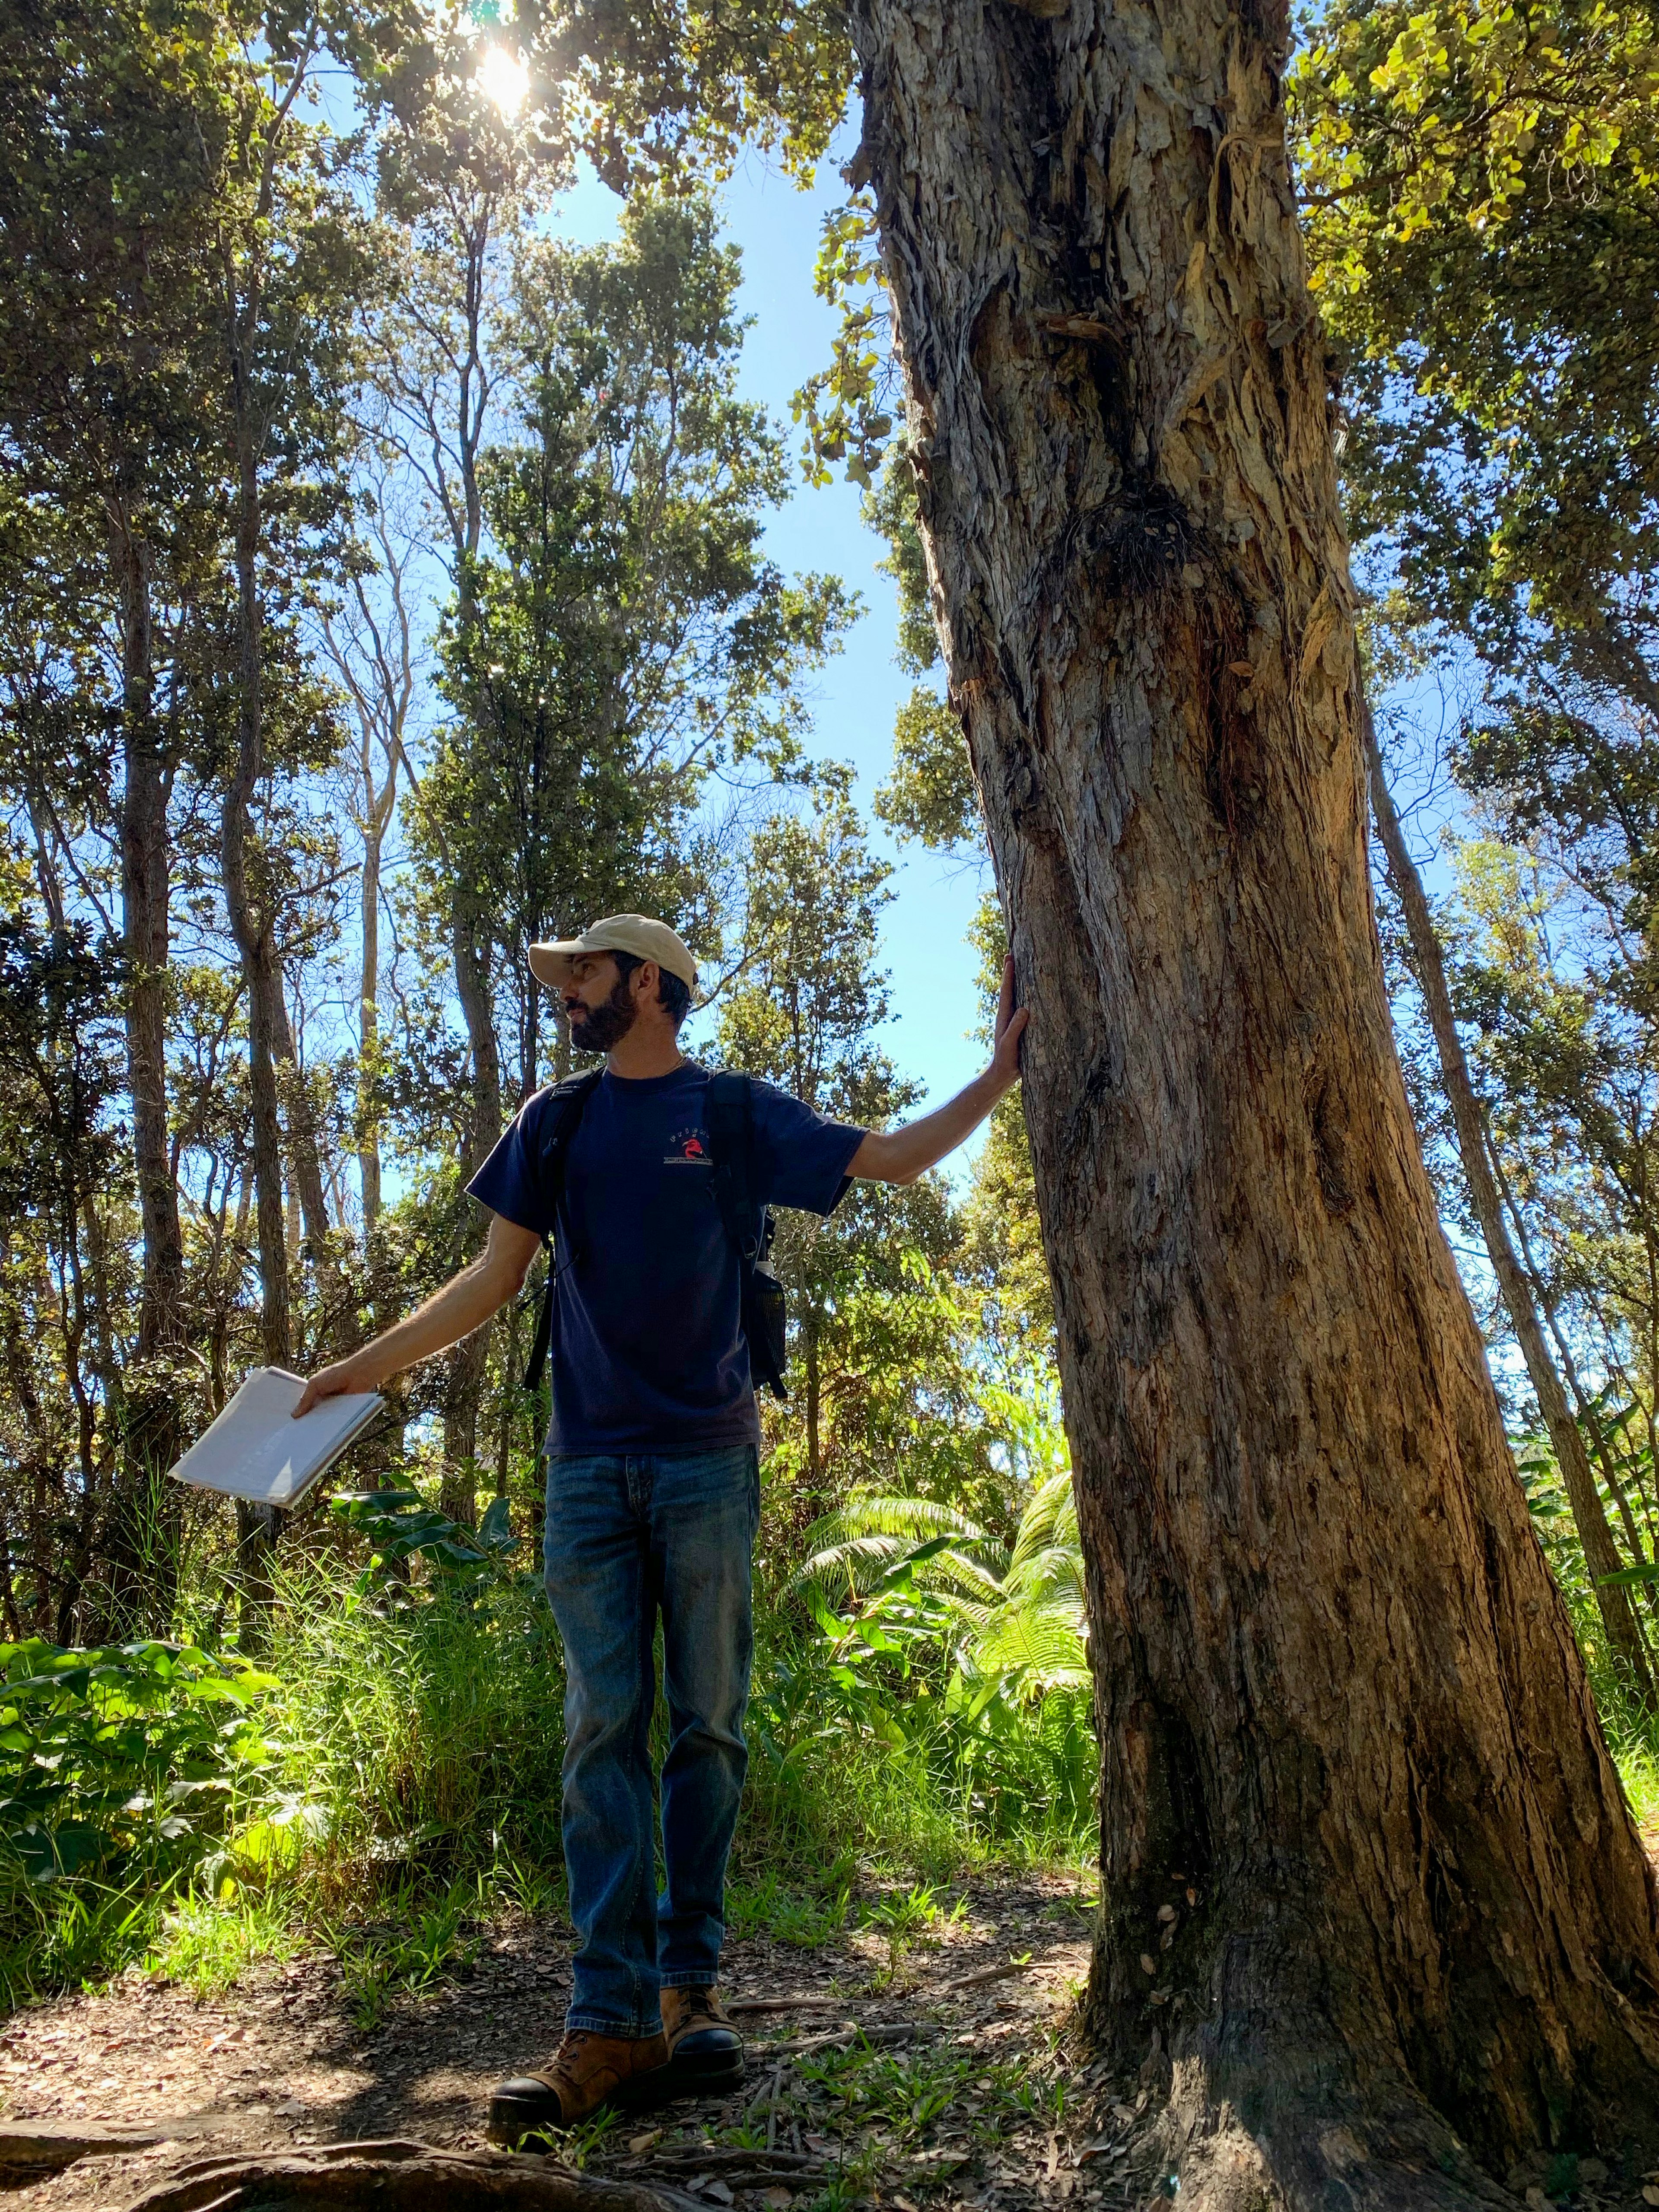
{"x":587,"y":2071}
{"x":705,"y":2051}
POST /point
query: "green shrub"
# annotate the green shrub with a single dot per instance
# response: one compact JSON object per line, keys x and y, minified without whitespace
{"x":395,"y":1764}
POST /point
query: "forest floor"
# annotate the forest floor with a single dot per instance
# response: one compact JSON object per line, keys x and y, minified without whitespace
{"x":963,"y":2092}
{"x":961,"y":2088}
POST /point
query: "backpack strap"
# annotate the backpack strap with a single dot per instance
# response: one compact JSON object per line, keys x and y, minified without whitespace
{"x":748,"y":1223}
{"x":571,"y":1096}
{"x":731,"y":1133}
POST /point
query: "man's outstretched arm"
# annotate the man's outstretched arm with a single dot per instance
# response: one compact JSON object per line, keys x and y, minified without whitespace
{"x":466,"y":1301}
{"x":901,"y":1154}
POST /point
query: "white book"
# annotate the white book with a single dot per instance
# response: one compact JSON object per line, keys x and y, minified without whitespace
{"x":256,"y":1448}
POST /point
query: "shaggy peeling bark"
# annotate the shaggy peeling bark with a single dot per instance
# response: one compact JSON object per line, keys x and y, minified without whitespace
{"x":1371,"y":1892}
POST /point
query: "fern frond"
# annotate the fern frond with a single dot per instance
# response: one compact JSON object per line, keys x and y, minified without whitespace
{"x":867,"y":1537}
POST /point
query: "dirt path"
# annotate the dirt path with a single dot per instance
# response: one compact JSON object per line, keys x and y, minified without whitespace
{"x":278,"y":2061}
{"x":958,"y":2095}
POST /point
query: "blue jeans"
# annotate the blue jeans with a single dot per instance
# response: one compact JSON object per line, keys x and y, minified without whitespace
{"x":625,"y":1538}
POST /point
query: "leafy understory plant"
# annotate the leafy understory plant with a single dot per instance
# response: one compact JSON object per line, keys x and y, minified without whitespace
{"x":119,"y":1749}
{"x":908,"y":1919}
{"x":963,"y":1658}
{"x":1014,"y":1620}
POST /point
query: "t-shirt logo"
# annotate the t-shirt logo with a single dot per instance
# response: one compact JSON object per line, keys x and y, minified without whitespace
{"x":688,"y":1148}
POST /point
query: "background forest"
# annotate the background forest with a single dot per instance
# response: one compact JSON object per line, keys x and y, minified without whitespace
{"x":383,"y":587}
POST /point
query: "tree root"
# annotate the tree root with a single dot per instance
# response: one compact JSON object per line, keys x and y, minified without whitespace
{"x":42,"y":2147}
{"x":398,"y":2177}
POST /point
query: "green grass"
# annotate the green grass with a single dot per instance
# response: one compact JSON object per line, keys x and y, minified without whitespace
{"x":208,"y":1946}
{"x":909,"y":1918}
{"x":426,"y":1741}
{"x":421,"y":1947}
{"x":1632,"y":1735}
{"x":1637,"y":1758}
{"x":899,"y":1783}
{"x":804,"y":1919}
{"x":71,"y":1935}
{"x":883,"y":2107}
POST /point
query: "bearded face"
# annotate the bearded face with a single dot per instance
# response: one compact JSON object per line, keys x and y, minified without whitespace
{"x":600,"y":1029}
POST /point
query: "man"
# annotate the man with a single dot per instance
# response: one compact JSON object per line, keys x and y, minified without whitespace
{"x":652,"y":1480}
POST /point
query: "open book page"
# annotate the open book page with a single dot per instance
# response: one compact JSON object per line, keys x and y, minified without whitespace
{"x":256,"y":1448}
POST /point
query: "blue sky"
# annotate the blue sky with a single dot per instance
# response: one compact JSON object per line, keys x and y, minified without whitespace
{"x":932,"y":970}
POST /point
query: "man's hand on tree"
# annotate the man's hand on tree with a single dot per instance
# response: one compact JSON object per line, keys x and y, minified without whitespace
{"x":1011,"y":1024}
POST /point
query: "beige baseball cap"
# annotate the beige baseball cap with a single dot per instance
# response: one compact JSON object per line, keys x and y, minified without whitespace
{"x":638,"y":933}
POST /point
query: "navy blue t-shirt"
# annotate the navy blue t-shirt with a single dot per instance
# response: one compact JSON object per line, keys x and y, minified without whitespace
{"x":647,"y":1352}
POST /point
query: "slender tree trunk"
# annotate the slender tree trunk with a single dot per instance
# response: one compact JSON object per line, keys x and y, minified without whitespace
{"x":144,"y":916}
{"x":477,"y":1011}
{"x":381,"y":1457}
{"x":1347,"y":1739}
{"x":258,"y":1527}
{"x":305,"y":1152}
{"x":1602,"y":1555}
{"x":250,"y":926}
{"x":514,"y":1357}
{"x":469,"y":1361}
{"x":1583,"y":1402}
{"x":455,"y":429}
{"x":814,"y":1409}
{"x":251,"y":921}
{"x":368,"y":1036}
{"x":305,"y":1172}
{"x":153,"y":1430}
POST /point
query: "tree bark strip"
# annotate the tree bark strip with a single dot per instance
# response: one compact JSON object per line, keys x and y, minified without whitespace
{"x":1602,"y":1554}
{"x":1346,"y":1734}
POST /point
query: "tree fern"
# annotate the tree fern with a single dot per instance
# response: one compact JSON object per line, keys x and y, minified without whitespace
{"x":1017,"y":1619}
{"x":856,"y":1547}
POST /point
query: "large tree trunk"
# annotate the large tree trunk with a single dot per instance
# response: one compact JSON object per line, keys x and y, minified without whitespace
{"x":1589,"y":1516}
{"x":1347,"y":1737}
